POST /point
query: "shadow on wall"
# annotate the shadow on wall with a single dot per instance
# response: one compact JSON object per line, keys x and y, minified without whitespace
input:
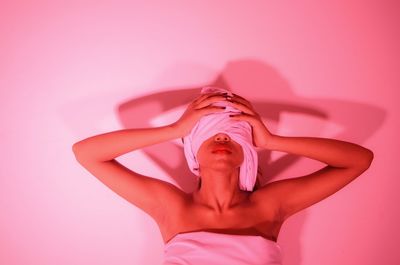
{"x":271,"y":97}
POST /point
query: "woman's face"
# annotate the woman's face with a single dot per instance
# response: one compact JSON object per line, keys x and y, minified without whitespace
{"x":220,"y":151}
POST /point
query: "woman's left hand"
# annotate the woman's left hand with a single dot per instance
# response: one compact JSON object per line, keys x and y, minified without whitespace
{"x":261,"y":135}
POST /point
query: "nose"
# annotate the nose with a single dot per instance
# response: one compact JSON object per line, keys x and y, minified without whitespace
{"x":222,"y":137}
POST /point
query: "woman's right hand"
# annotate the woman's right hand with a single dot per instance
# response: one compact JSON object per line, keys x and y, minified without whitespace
{"x":196,"y":109}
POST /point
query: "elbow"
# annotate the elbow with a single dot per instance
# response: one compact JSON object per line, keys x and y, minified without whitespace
{"x":370,"y":157}
{"x":366,"y":160}
{"x":77,"y":150}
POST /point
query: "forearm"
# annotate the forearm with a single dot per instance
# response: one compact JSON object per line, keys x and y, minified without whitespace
{"x":330,"y":151}
{"x":107,"y":146}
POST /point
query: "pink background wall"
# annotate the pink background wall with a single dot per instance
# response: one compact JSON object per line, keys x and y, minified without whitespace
{"x":70,"y":71}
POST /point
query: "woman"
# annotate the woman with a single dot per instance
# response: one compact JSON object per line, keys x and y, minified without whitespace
{"x":225,"y":221}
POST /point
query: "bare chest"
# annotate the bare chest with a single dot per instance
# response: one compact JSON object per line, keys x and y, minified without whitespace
{"x":246,"y":219}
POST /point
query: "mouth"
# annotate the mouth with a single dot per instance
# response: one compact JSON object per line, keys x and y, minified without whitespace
{"x":221,"y":150}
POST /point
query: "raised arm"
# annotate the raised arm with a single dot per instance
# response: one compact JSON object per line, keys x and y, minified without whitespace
{"x":345,"y":162}
{"x":97,"y":154}
{"x":333,"y":152}
{"x":107,"y":146}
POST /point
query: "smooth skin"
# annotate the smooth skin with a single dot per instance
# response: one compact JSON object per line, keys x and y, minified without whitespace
{"x":219,"y":205}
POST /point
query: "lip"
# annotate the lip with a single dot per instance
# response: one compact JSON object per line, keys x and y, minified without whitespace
{"x":216,"y":149}
{"x":221,"y":151}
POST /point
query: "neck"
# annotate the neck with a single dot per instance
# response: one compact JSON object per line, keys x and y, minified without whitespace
{"x":219,"y":189}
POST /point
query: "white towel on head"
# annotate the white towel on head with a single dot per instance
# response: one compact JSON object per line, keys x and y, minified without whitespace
{"x":220,"y":122}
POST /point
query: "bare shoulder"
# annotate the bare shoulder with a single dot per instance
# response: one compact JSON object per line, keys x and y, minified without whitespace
{"x":266,"y":202}
{"x":171,"y":199}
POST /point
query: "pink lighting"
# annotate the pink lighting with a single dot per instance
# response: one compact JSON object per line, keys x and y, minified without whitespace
{"x":70,"y":70}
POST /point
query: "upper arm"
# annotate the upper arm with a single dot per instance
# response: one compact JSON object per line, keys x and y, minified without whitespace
{"x":149,"y":194}
{"x":295,"y":194}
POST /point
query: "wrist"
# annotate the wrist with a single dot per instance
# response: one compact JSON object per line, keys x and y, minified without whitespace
{"x":176,"y":131}
{"x":271,"y":142}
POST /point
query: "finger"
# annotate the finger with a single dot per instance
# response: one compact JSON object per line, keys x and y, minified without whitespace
{"x":199,"y":98}
{"x":237,"y":96}
{"x":211,"y":109}
{"x":208,"y":101}
{"x":241,"y":107}
{"x":239,"y":117}
{"x":203,"y":97}
{"x":243,"y":117}
{"x":241,"y":100}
